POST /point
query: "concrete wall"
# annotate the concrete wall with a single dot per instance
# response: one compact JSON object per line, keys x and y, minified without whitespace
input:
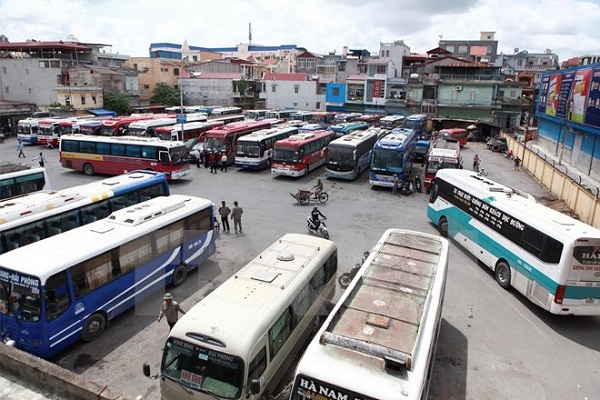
{"x":50,"y":377}
{"x":285,"y":95}
{"x":24,"y":80}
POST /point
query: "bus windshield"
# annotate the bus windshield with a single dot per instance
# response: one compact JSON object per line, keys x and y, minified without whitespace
{"x":179,"y":155}
{"x":248,"y":149}
{"x":412,"y":124}
{"x":341,"y":156}
{"x":19,"y":296}
{"x":434,"y":165}
{"x":388,"y":160}
{"x":203,"y":369}
{"x":286,"y":154}
{"x":215,"y":144}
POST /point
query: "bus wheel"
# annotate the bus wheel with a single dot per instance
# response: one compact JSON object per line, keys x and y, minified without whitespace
{"x":306,"y":171}
{"x":503,"y":274}
{"x":268,"y":163}
{"x":179,"y":275}
{"x":88,"y":169}
{"x":443,"y":226}
{"x":93,"y":328}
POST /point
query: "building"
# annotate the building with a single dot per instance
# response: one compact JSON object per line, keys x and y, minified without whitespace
{"x":293,"y":91}
{"x":483,"y":50}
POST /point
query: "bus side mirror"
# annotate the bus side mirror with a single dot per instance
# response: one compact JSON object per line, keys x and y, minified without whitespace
{"x":255,"y":386}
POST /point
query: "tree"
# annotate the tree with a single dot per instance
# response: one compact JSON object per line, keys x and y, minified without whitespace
{"x":117,"y":102}
{"x":166,"y":95}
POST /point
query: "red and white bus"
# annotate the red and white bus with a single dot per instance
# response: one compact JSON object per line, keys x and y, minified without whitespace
{"x":371,"y":119}
{"x":460,"y":134}
{"x":301,"y":153}
{"x":324,"y":118}
{"x":193,"y":132}
{"x":48,"y":131}
{"x":445,"y":153}
{"x":224,"y":139}
{"x":119,"y":155}
{"x":117,"y":126}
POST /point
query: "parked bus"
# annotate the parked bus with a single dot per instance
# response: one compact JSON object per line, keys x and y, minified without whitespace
{"x":445,"y":153}
{"x":279,"y":114}
{"x":229,"y":119}
{"x":379,"y":341}
{"x":219,"y":111}
{"x":223,"y":140}
{"x":19,"y":179}
{"x":27,"y":130}
{"x":323,"y":118}
{"x":549,"y":257}
{"x":460,"y":134}
{"x":417,"y":122}
{"x":255,"y":151}
{"x":193,"y":132}
{"x":346,"y":117}
{"x":301,"y":153}
{"x":34,"y":217}
{"x":371,"y":119}
{"x":73,"y":291}
{"x":392,"y":155}
{"x":348,"y":156}
{"x":49,"y":131}
{"x":392,"y":121}
{"x":300,"y":115}
{"x":344,"y":128}
{"x":147,"y":127}
{"x":239,"y":341}
{"x":117,"y":126}
{"x":119,"y":155}
{"x":311,"y":127}
{"x":92,"y":128}
{"x":256,"y":115}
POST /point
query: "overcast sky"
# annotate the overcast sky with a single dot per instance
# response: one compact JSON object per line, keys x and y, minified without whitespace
{"x":568,"y":28}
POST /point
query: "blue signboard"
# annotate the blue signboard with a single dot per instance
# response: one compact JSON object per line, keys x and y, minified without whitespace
{"x":181,"y":119}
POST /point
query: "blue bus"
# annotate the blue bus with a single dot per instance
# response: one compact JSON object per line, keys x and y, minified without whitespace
{"x":417,"y":122}
{"x":344,"y":128}
{"x":349,"y":155}
{"x":392,"y":155}
{"x":72,"y":292}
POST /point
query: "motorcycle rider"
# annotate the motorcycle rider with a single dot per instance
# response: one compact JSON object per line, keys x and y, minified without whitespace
{"x":314,"y":216}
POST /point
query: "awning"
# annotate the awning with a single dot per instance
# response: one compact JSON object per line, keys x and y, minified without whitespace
{"x":101,"y":112}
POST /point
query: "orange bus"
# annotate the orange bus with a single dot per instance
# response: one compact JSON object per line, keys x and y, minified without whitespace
{"x":301,"y":153}
{"x":460,"y":134}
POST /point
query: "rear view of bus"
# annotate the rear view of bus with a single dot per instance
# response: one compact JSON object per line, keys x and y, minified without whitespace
{"x":379,"y":340}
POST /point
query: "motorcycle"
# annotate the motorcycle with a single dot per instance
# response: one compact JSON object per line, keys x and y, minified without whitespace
{"x":345,"y":278}
{"x":320,"y":231}
{"x":408,"y":186}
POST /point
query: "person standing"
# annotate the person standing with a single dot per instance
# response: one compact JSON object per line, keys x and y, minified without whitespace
{"x":224,"y":162}
{"x":40,"y":159}
{"x":236,"y":215}
{"x":20,"y":149}
{"x":224,"y":213}
{"x":476,"y":162}
{"x":170,"y":309}
{"x":517,"y":163}
{"x":212,"y":162}
{"x":395,"y":184}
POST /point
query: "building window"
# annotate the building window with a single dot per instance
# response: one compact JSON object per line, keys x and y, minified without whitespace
{"x":520,"y":62}
{"x":489,"y":50}
{"x":341,"y":67}
{"x":164,"y":69}
{"x":82,"y":100}
{"x":29,"y":90}
{"x":135,"y":66}
{"x":450,"y":48}
{"x":335,"y":91}
{"x":94,"y":99}
{"x":296,"y":88}
{"x":6,"y":90}
{"x":176,"y":71}
{"x":318,"y":105}
{"x":273,"y":88}
{"x":380,"y":69}
{"x":4,"y":71}
{"x":462,"y":49}
{"x":146,"y":86}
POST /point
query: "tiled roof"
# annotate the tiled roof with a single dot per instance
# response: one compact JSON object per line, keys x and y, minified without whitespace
{"x":280,"y":76}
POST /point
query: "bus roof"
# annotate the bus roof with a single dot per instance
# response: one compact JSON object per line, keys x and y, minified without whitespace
{"x":303,"y":137}
{"x":145,"y":141}
{"x":266,"y":133}
{"x":94,"y":238}
{"x":253,"y":296}
{"x":8,"y":167}
{"x":519,"y":205}
{"x":396,"y":138}
{"x":353,"y":138}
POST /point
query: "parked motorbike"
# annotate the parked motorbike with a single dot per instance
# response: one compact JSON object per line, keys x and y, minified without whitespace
{"x":320,"y":231}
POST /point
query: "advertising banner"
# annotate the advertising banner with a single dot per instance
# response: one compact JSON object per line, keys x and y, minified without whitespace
{"x":592,"y":110}
{"x":579,"y":93}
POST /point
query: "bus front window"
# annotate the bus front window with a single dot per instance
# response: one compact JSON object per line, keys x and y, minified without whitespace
{"x":248,"y":150}
{"x":178,"y":155}
{"x":388,"y":160}
{"x":214,"y":144}
{"x":19,"y":296}
{"x":341,"y":157}
{"x":283,"y":154}
{"x":202,"y":369}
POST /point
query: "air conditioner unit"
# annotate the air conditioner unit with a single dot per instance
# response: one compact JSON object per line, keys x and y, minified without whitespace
{"x":459,"y":88}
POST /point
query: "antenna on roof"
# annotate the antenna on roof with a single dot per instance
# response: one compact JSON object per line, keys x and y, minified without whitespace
{"x":250,"y":33}
{"x":441,"y":35}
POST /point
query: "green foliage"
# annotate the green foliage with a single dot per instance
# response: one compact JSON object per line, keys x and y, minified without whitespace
{"x":166,"y":95}
{"x":117,"y":102}
{"x":61,"y":107}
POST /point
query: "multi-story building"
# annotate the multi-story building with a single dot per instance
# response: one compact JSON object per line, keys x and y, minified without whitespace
{"x":483,"y":50}
{"x":281,"y":90}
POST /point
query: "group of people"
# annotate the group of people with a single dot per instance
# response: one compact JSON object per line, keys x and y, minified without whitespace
{"x":212,"y":160}
{"x":516,"y":159}
{"x":235,"y":214}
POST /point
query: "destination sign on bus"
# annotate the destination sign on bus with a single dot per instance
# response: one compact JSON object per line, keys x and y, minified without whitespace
{"x":313,"y":389}
{"x":20,"y":280}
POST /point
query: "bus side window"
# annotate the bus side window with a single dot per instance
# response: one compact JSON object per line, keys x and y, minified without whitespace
{"x":280,"y":332}
{"x":258,"y":365}
{"x":433,"y":194}
{"x":164,"y":158}
{"x":57,"y":296}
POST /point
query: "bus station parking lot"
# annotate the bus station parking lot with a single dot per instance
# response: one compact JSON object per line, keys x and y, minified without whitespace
{"x":493,"y":343}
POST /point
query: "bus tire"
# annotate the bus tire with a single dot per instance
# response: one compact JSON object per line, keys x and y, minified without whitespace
{"x":268,"y":163}
{"x":443,"y":226}
{"x":503,"y":274}
{"x":88,"y":169}
{"x":94,"y":326}
{"x":179,"y":275}
{"x":307,"y":170}
{"x":496,"y":148}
